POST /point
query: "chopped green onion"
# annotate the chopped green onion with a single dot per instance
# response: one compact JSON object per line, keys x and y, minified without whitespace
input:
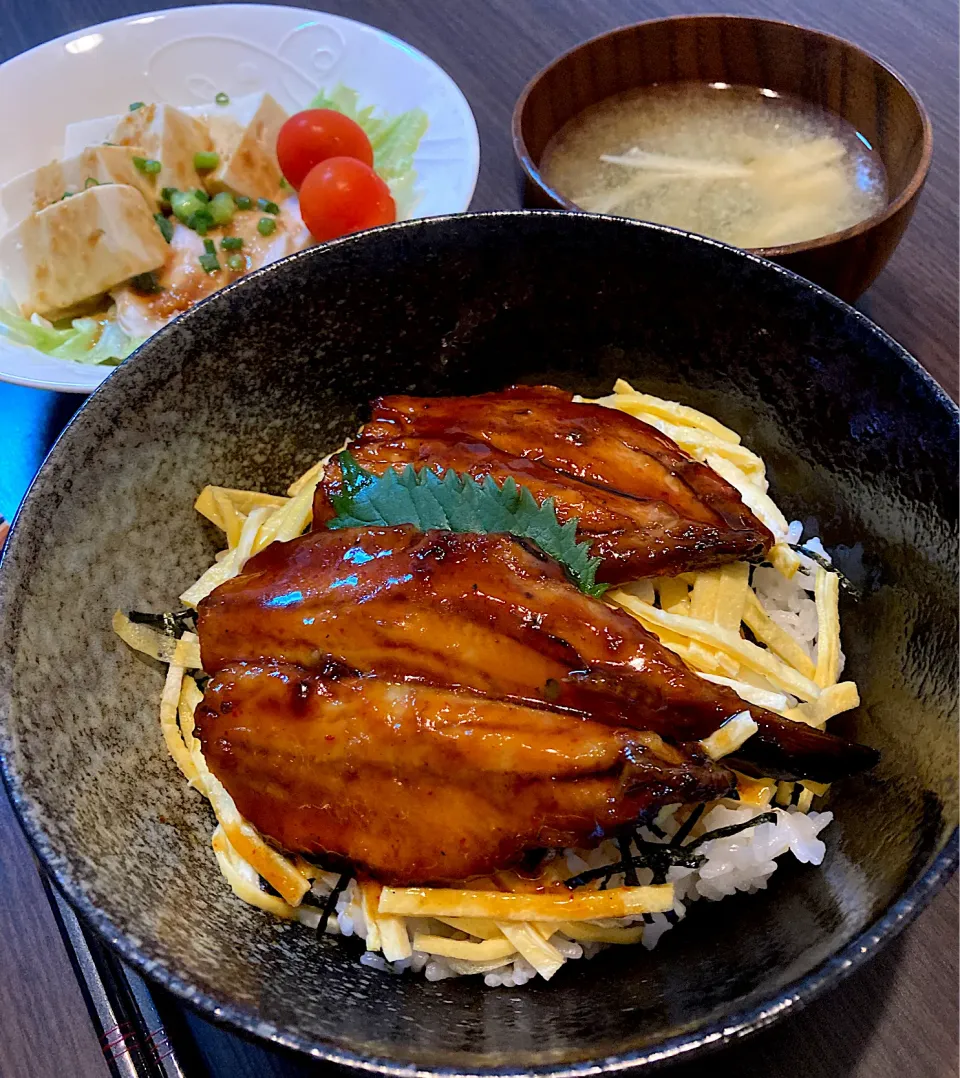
{"x":135,"y":105}
{"x":208,"y":261}
{"x":266,"y":226}
{"x":166,"y":229}
{"x":244,"y":202}
{"x":91,"y":181}
{"x":201,"y":222}
{"x":210,"y":247}
{"x":184,"y":204}
{"x":167,"y":193}
{"x":267,"y":206}
{"x":222,"y":98}
{"x":66,"y":194}
{"x":201,"y":194}
{"x":285,"y":184}
{"x":232,"y":243}
{"x":146,"y":282}
{"x":222,"y":208}
{"x":236,"y":263}
{"x":205,"y":160}
{"x":146,"y":165}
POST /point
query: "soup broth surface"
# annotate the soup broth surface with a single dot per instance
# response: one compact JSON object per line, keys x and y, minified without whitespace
{"x":751,"y":167}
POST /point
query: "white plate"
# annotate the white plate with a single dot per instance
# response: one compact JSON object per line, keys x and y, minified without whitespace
{"x":184,"y":57}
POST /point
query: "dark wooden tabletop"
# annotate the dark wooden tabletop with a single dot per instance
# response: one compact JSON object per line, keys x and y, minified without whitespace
{"x":896,"y":1017}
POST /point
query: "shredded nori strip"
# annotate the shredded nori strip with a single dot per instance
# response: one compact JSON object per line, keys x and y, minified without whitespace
{"x":660,"y":862}
{"x":731,"y":829}
{"x":845,"y":582}
{"x":651,"y":825}
{"x":629,"y":869}
{"x":330,"y":906}
{"x":660,"y":857}
{"x":687,"y":826}
{"x":653,"y":855}
{"x":171,"y":623}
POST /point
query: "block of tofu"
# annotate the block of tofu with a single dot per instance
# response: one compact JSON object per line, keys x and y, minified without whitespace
{"x":168,"y":136}
{"x":79,"y":248}
{"x":92,"y":132}
{"x":35,"y":190}
{"x":246,"y":141}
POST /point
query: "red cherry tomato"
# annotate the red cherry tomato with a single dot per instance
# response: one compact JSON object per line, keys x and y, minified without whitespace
{"x":314,"y":135}
{"x":344,"y":195}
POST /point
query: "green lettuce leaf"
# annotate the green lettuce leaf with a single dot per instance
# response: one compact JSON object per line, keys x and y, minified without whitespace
{"x":84,"y":340}
{"x":458,"y":503}
{"x":394,"y":140}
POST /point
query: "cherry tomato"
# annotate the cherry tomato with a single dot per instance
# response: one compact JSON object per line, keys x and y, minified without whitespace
{"x":312,"y":136}
{"x":344,"y":195}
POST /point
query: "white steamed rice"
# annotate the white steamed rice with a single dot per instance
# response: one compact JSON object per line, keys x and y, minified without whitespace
{"x":742,"y":862}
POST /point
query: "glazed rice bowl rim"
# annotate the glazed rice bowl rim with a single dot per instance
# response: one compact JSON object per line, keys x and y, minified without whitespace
{"x":145,"y":955}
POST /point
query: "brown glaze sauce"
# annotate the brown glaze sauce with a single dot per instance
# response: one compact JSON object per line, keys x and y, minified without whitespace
{"x":429,"y":706}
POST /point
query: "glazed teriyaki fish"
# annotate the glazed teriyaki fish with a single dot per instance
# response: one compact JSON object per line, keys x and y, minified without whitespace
{"x":645,"y":506}
{"x":491,"y":614}
{"x":416,"y":784}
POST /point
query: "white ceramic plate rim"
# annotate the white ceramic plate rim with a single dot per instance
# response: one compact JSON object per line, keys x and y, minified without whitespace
{"x":26,"y":366}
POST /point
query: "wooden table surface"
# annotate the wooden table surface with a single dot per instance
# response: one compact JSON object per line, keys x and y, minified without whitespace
{"x":899,"y":1015}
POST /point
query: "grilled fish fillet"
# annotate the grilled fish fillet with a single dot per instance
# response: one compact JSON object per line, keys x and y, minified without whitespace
{"x":633,"y":537}
{"x":645,"y":507}
{"x":416,"y":784}
{"x":488,"y":613}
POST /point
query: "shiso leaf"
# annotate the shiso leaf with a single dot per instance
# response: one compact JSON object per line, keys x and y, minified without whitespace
{"x":458,"y":503}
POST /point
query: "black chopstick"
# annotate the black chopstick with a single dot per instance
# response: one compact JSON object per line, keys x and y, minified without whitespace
{"x":158,"y":1043}
{"x":132,"y":1035}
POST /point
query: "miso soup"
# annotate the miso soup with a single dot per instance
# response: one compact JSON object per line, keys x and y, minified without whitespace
{"x":752,"y":167}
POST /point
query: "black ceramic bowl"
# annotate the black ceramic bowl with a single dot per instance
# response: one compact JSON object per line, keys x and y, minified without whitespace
{"x":251,"y":387}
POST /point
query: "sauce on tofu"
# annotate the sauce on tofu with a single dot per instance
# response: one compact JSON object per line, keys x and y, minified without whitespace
{"x":140,"y":221}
